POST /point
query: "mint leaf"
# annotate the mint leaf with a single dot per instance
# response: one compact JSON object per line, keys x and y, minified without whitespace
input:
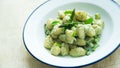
{"x":68,"y":12}
{"x":89,"y":21}
{"x":55,"y":22}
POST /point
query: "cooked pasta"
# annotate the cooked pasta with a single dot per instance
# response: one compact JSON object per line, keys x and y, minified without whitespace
{"x":64,"y":49}
{"x":81,"y":31}
{"x":48,"y":42}
{"x":76,"y":52}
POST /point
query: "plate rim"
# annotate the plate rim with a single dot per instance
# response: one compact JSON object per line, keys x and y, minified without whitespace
{"x":53,"y":64}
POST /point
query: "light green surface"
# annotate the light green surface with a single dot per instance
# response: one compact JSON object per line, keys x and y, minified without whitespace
{"x":13,"y":14}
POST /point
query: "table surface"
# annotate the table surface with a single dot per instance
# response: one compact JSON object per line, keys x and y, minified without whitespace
{"x":13,"y":54}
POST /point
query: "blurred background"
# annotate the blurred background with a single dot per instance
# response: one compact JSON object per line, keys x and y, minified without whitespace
{"x":13,"y":14}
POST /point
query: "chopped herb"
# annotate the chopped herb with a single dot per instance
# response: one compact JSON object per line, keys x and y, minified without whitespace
{"x":91,"y":44}
{"x":96,"y":40}
{"x":88,"y":52}
{"x":88,"y":49}
{"x":95,"y":47}
{"x":89,"y":21}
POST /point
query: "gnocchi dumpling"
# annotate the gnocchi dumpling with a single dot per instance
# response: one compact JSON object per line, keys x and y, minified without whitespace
{"x":69,"y":36}
{"x":76,"y":52}
{"x":81,"y":31}
{"x":81,"y":42}
{"x":64,"y":49}
{"x":72,"y":46}
{"x":90,"y":31}
{"x":99,"y":23}
{"x":98,"y":29}
{"x":49,"y":24}
{"x":62,"y":37}
{"x":56,"y":31}
{"x":74,"y":29}
{"x":55,"y":50}
{"x":66,"y":19}
{"x":52,"y":22}
{"x":48,"y":42}
{"x":81,"y":15}
{"x":61,"y":14}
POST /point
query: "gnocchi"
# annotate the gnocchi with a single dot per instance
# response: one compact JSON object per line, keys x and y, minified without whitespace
{"x":74,"y":33}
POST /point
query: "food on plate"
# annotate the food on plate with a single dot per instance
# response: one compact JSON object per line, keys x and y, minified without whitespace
{"x":73,"y":32}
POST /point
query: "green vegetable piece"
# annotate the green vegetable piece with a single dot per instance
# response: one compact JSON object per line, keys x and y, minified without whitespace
{"x":57,"y":44}
{"x":72,"y":16}
{"x":47,"y":31}
{"x":68,"y":12}
{"x":74,"y":34}
{"x":55,"y":22}
{"x":89,"y":21}
{"x":96,"y":40}
{"x":88,"y":53}
{"x":95,"y":47}
{"x":97,"y":16}
{"x":91,"y":44}
{"x":68,"y":25}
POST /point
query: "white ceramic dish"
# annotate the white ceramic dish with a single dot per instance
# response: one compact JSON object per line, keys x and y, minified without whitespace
{"x":33,"y":32}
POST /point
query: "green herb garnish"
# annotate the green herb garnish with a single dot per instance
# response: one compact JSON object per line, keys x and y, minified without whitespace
{"x":47,"y":31}
{"x":72,"y":16}
{"x":88,"y":53}
{"x":57,"y":44}
{"x":89,"y":20}
{"x":74,"y":34}
{"x":91,"y":44}
{"x":55,"y":22}
{"x":68,"y":25}
{"x":68,"y":12}
{"x":95,"y":47}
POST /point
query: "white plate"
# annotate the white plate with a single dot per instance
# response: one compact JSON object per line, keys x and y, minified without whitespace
{"x":33,"y":32}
